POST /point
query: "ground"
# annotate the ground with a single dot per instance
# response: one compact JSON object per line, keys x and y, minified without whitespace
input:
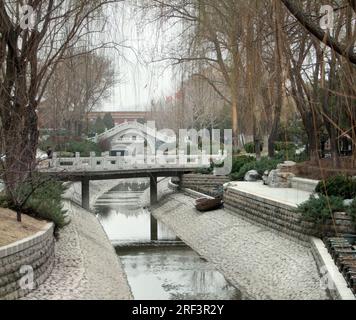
{"x":262,"y":264}
{"x":11,"y":230}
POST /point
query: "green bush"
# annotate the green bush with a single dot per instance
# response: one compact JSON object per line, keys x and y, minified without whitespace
{"x":69,"y":148}
{"x":265,"y":164}
{"x":239,"y":162}
{"x":84,"y":147}
{"x":250,"y":147}
{"x":320,"y":209}
{"x":65,"y":154}
{"x":205,"y":170}
{"x":44,"y":202}
{"x":352,"y":211}
{"x":282,"y":146}
{"x":240,"y":175}
{"x":338,"y":186}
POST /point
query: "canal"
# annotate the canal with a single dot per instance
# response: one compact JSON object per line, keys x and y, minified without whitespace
{"x":158,"y":265}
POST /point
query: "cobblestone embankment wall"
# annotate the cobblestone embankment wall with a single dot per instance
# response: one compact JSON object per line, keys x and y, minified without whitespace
{"x":203,"y":183}
{"x":281,"y":217}
{"x":278,"y":216}
{"x":253,"y":258}
{"x":36,"y":252}
{"x":86,"y":266}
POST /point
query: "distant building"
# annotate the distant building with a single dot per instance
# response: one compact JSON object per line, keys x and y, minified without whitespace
{"x":121,"y":116}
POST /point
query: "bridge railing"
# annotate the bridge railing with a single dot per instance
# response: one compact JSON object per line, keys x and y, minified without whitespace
{"x":111,"y":163}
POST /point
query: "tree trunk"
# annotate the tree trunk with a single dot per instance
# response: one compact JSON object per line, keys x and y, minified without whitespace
{"x":313,"y":138}
{"x":334,"y":145}
{"x":235,"y":133}
{"x":278,"y":80}
{"x":257,"y":139}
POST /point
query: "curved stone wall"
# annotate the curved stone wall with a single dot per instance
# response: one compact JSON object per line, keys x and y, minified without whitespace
{"x":18,"y":261}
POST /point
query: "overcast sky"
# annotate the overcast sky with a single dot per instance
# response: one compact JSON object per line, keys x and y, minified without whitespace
{"x":140,"y":82}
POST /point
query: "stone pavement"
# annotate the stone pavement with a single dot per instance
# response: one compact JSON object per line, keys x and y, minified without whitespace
{"x":86,"y":265}
{"x":262,"y":264}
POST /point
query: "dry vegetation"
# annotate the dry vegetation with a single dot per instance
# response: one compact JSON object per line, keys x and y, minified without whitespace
{"x":12,"y":231}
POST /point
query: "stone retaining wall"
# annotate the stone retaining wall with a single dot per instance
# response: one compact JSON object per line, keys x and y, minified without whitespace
{"x":203,"y":183}
{"x":332,"y":278}
{"x":278,"y":216}
{"x":36,"y":252}
{"x":282,"y":217}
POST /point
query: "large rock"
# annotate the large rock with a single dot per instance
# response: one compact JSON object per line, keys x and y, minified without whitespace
{"x":279,"y":179}
{"x":252,"y":176}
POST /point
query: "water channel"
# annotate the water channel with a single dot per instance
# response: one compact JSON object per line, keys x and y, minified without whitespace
{"x":163,"y":269}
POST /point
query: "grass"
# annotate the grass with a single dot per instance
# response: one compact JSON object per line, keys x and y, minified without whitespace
{"x":12,"y":231}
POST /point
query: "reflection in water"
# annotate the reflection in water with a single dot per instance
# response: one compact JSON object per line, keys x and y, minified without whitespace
{"x":123,"y":217}
{"x":159,"y":272}
{"x":173,"y":274}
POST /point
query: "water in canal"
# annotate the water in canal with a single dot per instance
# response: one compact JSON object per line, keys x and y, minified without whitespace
{"x":166,"y":269}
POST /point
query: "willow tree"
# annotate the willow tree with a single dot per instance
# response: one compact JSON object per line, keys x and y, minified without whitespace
{"x":33,"y":40}
{"x":321,"y":73}
{"x":211,"y":40}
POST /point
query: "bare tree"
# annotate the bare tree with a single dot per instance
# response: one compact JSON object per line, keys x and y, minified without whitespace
{"x":306,"y":20}
{"x":29,"y":54}
{"x":78,"y":85}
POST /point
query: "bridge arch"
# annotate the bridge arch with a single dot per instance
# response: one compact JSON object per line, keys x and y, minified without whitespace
{"x":125,"y":136}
